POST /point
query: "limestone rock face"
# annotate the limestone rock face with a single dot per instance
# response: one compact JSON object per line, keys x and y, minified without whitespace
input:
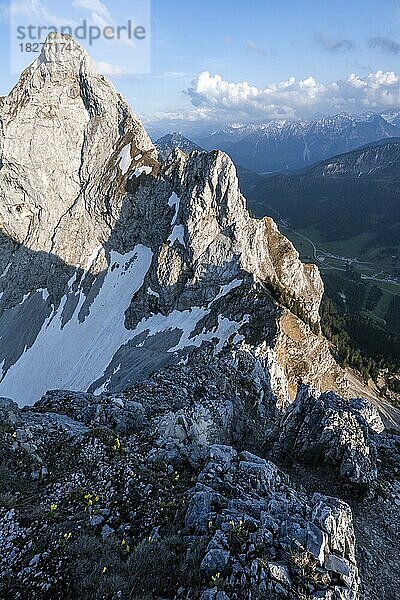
{"x":219,"y":232}
{"x":63,"y":127}
{"x":326,"y":429}
{"x":112,"y":264}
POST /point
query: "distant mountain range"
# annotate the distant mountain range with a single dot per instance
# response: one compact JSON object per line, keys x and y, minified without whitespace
{"x":353,"y":193}
{"x":169,"y":142}
{"x":378,"y":158}
{"x":290,"y":145}
{"x":392,"y":116}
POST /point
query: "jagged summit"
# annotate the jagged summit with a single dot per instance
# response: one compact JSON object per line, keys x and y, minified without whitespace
{"x":83,"y":137}
{"x":62,"y":54}
{"x":166,"y":144}
{"x":114,"y":264}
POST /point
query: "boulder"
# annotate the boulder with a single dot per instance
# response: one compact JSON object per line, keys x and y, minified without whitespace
{"x":331,"y":431}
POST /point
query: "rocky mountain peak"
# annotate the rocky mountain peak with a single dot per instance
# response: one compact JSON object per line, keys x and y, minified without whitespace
{"x":121,"y":264}
{"x":61,"y":55}
{"x":169,"y":142}
{"x":82,"y":134}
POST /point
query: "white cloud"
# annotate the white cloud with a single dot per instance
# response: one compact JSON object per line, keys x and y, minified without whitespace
{"x":190,"y":122}
{"x":110,"y":70}
{"x":250,"y":45}
{"x":94,"y":6}
{"x":99,"y":13}
{"x":102,"y":17}
{"x":293,"y":98}
{"x":37,"y":10}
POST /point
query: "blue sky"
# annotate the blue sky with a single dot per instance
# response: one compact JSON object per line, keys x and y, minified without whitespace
{"x":224,"y":61}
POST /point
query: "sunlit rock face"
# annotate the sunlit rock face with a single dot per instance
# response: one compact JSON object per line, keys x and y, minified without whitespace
{"x":114,"y":264}
{"x":66,"y":134}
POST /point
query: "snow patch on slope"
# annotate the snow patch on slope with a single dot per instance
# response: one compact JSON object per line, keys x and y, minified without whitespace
{"x":187,"y":322}
{"x":225,"y":289}
{"x":125,"y":158}
{"x":4,"y":274}
{"x":145,"y":169}
{"x":174,"y":201}
{"x":75,"y":355}
{"x":178,"y":233}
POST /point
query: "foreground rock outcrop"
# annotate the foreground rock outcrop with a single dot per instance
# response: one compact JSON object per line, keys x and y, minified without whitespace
{"x":177,"y":488}
{"x":230,"y":519}
{"x":267,"y":539}
{"x":326,"y":429}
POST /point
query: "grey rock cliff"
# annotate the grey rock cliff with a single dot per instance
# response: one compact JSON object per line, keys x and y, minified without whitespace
{"x":90,"y":221}
{"x":75,"y":124}
{"x":326,"y":429}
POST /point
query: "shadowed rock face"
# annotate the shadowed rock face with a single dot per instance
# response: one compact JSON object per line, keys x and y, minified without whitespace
{"x":112,"y":263}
